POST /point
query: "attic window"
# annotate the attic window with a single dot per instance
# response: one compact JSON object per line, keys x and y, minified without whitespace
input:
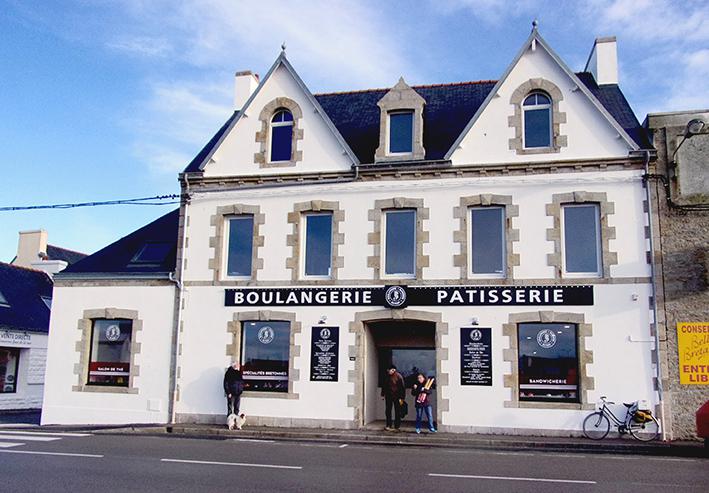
{"x":3,"y":301}
{"x":401,"y":132}
{"x":537,"y":120}
{"x":281,"y":135}
{"x":151,"y":253}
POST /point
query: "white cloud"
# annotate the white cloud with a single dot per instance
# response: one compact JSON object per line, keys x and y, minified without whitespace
{"x":142,"y":46}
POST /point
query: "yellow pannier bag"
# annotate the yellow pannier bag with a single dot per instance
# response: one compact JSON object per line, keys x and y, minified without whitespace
{"x":642,"y":416}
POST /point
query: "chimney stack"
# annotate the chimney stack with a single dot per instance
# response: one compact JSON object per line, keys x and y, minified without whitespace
{"x":29,"y":247}
{"x":603,"y":61}
{"x":245,"y":84}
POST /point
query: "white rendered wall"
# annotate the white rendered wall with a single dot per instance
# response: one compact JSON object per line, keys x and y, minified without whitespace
{"x":30,"y":377}
{"x":62,"y":405}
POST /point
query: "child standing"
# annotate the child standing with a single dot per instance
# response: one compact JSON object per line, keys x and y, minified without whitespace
{"x":421,"y":392}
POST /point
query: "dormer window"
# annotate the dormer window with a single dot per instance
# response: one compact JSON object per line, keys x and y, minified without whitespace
{"x":537,"y":111}
{"x":401,"y":132}
{"x":281,"y":135}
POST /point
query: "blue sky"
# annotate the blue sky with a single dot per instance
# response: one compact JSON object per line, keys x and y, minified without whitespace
{"x":111,"y":99}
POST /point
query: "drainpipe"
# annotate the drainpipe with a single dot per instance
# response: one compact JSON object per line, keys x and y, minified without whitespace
{"x":175,"y":343}
{"x":658,"y":369}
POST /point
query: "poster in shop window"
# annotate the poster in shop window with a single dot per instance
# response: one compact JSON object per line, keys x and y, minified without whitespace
{"x":475,"y":356}
{"x":324,"y":354}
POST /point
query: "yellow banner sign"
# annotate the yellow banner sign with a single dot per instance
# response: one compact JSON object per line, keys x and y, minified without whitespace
{"x":693,"y":346}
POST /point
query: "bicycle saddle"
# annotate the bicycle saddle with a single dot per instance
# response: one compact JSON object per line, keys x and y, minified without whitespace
{"x":628,"y":405}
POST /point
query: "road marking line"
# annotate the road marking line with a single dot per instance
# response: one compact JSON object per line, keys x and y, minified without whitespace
{"x":61,"y":454}
{"x":45,"y":433}
{"x":9,"y":444}
{"x":241,"y":464}
{"x":509,"y":478}
{"x":343,"y":445}
{"x":29,"y":438}
{"x":254,"y":440}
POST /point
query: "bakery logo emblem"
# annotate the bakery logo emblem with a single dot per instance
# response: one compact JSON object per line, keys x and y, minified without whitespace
{"x":395,"y":296}
{"x":546,"y":338}
{"x":476,"y":335}
{"x":266,"y":335}
{"x":113,"y":333}
{"x":325,"y":334}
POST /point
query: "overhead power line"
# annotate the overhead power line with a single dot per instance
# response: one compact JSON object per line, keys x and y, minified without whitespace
{"x":170,"y":199}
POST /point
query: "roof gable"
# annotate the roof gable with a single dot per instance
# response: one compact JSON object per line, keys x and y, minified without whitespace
{"x":23,"y":290}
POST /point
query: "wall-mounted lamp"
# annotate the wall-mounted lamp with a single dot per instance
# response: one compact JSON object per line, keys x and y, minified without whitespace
{"x":323,"y":319}
{"x":474,"y":321}
{"x":634,"y":297}
{"x":694,"y":127}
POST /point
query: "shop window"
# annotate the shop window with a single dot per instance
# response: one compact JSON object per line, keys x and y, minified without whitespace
{"x":400,"y":242}
{"x":401,"y":132}
{"x":537,"y":120}
{"x":487,"y":242}
{"x":9,"y":361}
{"x":548,"y":362}
{"x":109,"y":360}
{"x":240,"y":246}
{"x":318,"y":244}
{"x":265,"y":355}
{"x":281,"y":135}
{"x":582,"y":239}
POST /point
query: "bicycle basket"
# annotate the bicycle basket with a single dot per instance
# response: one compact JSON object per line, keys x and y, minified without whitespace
{"x":642,"y":416}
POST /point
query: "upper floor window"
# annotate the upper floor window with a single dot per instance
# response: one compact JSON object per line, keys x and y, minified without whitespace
{"x":581,"y":232}
{"x":537,"y":120}
{"x":281,"y":135}
{"x":318,"y":245}
{"x":487,"y":241}
{"x":240,"y":246}
{"x":401,"y":132}
{"x":400,"y":242}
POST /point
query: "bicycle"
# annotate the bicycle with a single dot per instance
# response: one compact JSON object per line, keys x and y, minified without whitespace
{"x":641,"y":425}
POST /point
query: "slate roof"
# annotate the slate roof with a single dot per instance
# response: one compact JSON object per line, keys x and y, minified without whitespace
{"x":119,"y":256}
{"x":68,"y":256}
{"x":449,"y":107}
{"x":23,"y":289}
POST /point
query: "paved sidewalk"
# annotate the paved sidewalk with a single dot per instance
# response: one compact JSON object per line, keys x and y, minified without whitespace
{"x":407,"y":437}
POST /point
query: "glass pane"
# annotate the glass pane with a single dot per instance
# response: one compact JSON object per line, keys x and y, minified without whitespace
{"x":265,"y":355}
{"x":543,"y":99}
{"x":548,"y":364}
{"x":110,"y":352}
{"x":152,"y":253}
{"x":408,"y":362}
{"x":537,"y":128}
{"x":281,"y":143}
{"x":241,"y":230}
{"x":282,"y":116}
{"x":487,"y":225}
{"x":401,"y":134}
{"x":400,"y":242}
{"x":581,"y":238}
{"x":318,"y":243}
{"x":9,"y":359}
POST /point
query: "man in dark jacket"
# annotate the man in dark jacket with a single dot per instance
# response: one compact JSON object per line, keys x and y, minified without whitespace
{"x":233,"y":387}
{"x":394,"y":393}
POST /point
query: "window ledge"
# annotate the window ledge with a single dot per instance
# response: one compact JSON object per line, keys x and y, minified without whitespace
{"x":255,"y":394}
{"x":104,"y":389}
{"x":539,"y":150}
{"x":549,"y":405}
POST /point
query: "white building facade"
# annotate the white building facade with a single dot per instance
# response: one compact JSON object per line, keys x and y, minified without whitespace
{"x":489,"y":234}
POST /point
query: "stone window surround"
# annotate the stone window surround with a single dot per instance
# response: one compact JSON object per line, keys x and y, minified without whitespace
{"x":83,"y":348}
{"x":605,"y":208}
{"x":557,"y":117}
{"x":401,"y":97}
{"x":585,"y":357}
{"x":356,"y":351}
{"x":233,"y":349}
{"x":462,"y":235}
{"x":294,"y":239}
{"x":263,"y":136}
{"x":374,"y":238}
{"x":218,"y":242}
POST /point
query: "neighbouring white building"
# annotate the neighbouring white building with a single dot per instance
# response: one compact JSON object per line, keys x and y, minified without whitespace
{"x":491,"y":234}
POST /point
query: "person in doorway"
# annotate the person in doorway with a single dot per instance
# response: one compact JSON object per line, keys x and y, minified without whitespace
{"x":233,"y":387}
{"x":421,"y":392}
{"x":394,"y":393}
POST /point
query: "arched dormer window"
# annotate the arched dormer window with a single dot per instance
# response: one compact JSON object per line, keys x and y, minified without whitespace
{"x":281,"y":135}
{"x":537,"y":111}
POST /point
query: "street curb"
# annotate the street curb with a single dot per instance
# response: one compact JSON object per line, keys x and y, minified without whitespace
{"x":491,"y":442}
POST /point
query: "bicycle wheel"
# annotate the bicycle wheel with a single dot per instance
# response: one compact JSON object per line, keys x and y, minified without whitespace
{"x":596,"y":426}
{"x":645,"y":432}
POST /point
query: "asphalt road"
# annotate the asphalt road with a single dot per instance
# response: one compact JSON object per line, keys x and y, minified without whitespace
{"x":33,"y":460}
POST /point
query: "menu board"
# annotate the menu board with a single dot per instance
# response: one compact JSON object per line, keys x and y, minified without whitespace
{"x":324,"y":354}
{"x":475,"y":356}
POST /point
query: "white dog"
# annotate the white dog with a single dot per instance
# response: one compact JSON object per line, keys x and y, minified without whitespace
{"x":235,"y":422}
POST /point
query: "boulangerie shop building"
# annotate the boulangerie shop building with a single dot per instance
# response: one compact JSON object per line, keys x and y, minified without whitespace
{"x":490,"y":234}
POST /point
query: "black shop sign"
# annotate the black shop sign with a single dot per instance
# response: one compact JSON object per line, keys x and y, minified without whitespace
{"x":324,"y":354}
{"x":475,"y":356}
{"x":402,"y":296}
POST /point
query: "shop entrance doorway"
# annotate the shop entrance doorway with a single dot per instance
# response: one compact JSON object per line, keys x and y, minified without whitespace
{"x":408,"y":344}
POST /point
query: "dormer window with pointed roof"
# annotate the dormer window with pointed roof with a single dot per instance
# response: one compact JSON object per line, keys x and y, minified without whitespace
{"x":400,"y":125}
